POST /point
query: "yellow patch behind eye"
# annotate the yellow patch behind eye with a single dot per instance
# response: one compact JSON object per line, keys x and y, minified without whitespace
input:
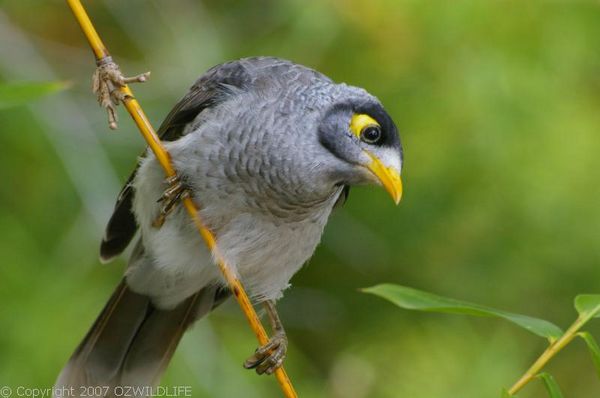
{"x":359,"y":121}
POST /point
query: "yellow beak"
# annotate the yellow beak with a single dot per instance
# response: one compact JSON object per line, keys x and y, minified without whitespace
{"x":390,"y":179}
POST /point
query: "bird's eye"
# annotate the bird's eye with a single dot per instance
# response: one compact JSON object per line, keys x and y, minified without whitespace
{"x":366,"y":128}
{"x":371,"y":134}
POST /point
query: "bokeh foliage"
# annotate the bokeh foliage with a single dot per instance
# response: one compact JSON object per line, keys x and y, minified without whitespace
{"x":498,"y":105}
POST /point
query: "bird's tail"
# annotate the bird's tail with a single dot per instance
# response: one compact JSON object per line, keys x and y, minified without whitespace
{"x":131,"y":342}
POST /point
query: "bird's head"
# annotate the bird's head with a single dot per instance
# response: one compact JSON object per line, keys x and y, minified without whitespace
{"x":365,"y":140}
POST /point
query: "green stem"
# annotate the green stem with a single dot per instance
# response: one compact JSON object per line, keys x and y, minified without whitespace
{"x":548,"y":354}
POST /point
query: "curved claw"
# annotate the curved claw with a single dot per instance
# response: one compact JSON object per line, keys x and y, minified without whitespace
{"x":175,"y":191}
{"x":269,"y":357}
{"x":106,"y":83}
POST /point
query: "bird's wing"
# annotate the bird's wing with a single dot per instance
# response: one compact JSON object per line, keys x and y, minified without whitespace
{"x":214,"y":87}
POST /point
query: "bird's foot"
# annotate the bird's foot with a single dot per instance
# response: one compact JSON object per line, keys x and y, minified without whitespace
{"x":269,"y":357}
{"x":176,"y":191}
{"x":107,"y":82}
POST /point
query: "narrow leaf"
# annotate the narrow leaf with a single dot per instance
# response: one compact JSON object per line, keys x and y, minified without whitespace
{"x":413,"y":299}
{"x":588,"y":305}
{"x":594,"y":349}
{"x":551,"y":385}
{"x":14,"y":94}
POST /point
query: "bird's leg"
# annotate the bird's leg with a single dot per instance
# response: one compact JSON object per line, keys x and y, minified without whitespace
{"x":106,"y":84}
{"x":269,"y":357}
{"x":176,"y":191}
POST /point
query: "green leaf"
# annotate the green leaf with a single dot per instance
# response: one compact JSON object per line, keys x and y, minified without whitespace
{"x":551,"y":385}
{"x":594,"y":349}
{"x":588,"y":305}
{"x":506,"y":394}
{"x":413,"y":299}
{"x":14,"y":94}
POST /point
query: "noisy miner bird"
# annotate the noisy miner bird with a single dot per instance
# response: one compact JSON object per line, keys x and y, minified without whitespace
{"x":267,"y":148}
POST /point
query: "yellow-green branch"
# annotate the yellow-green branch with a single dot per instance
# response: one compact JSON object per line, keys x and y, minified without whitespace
{"x":553,"y":349}
{"x":138,"y":115}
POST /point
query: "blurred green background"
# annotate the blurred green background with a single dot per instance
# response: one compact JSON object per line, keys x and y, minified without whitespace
{"x":498,"y":104}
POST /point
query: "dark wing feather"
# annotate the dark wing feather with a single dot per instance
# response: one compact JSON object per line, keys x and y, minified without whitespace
{"x":214,"y":87}
{"x":132,"y":342}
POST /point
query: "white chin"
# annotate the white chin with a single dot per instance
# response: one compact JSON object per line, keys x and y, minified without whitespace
{"x":365,"y":176}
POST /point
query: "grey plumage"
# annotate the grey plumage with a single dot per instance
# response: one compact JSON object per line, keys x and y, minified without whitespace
{"x":264,"y":146}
